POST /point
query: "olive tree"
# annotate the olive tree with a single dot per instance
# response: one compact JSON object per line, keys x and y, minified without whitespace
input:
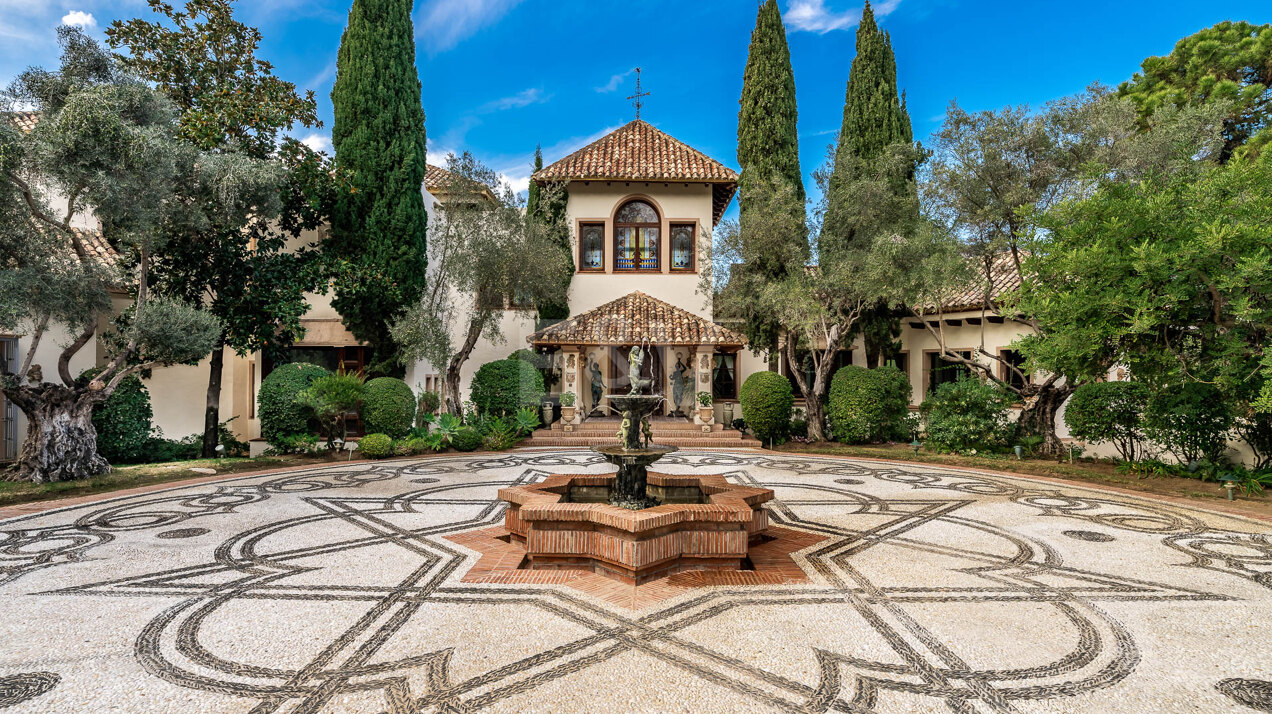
{"x":105,"y":144}
{"x":486,"y":257}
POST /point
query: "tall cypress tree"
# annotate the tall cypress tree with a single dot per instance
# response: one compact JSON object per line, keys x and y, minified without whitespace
{"x":768,"y":153}
{"x":532,"y":193}
{"x":548,"y":204}
{"x":378,"y":228}
{"x":875,"y":117}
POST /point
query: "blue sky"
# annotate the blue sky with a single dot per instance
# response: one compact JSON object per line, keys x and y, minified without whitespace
{"x":500,"y":76}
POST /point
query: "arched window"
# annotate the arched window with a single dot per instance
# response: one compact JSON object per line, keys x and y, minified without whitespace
{"x":636,"y":229}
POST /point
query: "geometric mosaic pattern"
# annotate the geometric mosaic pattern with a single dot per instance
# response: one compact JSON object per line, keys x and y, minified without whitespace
{"x":926,"y":589}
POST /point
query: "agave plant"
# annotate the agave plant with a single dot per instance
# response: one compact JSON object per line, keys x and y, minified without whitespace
{"x":447,"y":426}
{"x":499,"y":434}
{"x":526,"y":420}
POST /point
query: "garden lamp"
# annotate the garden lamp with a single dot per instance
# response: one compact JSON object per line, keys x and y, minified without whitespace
{"x":1020,"y":450}
{"x":220,"y":449}
{"x":338,"y":443}
{"x":1230,"y":483}
{"x":916,"y":445}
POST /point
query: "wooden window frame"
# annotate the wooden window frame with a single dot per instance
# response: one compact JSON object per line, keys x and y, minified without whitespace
{"x":737,"y":367}
{"x":1004,"y":373}
{"x":581,"y":224}
{"x":659,"y":225}
{"x":927,"y":361}
{"x":693,"y":250}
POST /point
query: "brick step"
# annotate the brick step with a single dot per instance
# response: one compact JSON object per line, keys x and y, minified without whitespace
{"x":661,"y":426}
{"x":683,"y":442}
{"x":608,"y":434}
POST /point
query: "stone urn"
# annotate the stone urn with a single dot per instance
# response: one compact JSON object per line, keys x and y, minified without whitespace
{"x":567,"y":413}
{"x":706,"y":414}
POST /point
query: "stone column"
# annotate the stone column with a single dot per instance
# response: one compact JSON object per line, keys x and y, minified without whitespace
{"x":573,"y":376}
{"x":705,"y":356}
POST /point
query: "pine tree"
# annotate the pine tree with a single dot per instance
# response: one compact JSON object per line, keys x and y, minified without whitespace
{"x":875,"y":118}
{"x":768,"y":154}
{"x":378,"y":227}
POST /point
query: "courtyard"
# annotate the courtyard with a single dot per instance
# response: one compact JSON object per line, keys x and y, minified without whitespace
{"x":370,"y":588}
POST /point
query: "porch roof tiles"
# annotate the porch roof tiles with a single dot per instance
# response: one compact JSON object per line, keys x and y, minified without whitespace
{"x":636,"y":318}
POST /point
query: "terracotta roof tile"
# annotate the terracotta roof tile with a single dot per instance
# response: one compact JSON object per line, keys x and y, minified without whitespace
{"x":635,"y":318}
{"x":639,"y":152}
{"x":96,"y":244}
{"x":25,"y":121}
{"x":435,"y":178}
{"x":1003,"y":278}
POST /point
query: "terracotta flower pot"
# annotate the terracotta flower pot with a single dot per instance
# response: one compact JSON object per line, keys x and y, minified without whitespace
{"x":567,"y":413}
{"x":706,"y":413}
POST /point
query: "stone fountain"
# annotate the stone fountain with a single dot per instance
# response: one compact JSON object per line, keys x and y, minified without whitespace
{"x":635,"y":525}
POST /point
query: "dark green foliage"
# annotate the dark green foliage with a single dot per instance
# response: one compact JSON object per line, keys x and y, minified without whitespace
{"x":123,"y":421}
{"x":426,"y":407}
{"x":376,"y":446}
{"x":502,"y":387}
{"x":766,"y":400}
{"x":280,"y":414}
{"x":388,"y":406}
{"x":1190,"y":420}
{"x":330,"y":398}
{"x":160,"y":450}
{"x":497,"y":434}
{"x":1112,"y":412}
{"x":1229,"y":62}
{"x":868,"y":405}
{"x":548,"y":207}
{"x":967,"y":415}
{"x":378,"y":226}
{"x":466,"y":438}
{"x":1255,"y":430}
{"x":294,"y":444}
{"x":768,"y":153}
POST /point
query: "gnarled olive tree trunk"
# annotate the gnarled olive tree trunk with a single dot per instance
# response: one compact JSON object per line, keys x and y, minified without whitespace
{"x":1039,"y":415}
{"x":61,"y":442}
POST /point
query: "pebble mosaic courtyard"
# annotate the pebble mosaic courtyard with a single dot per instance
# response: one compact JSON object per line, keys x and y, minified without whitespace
{"x":385,"y":587}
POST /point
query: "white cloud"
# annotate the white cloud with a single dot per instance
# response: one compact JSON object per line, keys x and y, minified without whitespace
{"x":614,"y":82}
{"x":442,"y":24}
{"x":521,"y":99}
{"x":79,"y":18}
{"x":814,"y":16}
{"x":517,"y":183}
{"x":318,"y":142}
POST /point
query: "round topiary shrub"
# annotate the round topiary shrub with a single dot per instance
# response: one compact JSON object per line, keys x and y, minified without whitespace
{"x":967,"y":415}
{"x":1190,"y":420}
{"x":280,"y":414}
{"x":766,"y":400}
{"x":502,"y":387}
{"x":376,"y":446}
{"x":388,"y":407}
{"x":868,"y":405}
{"x":1109,"y":412}
{"x":123,"y":421}
{"x":466,"y":439}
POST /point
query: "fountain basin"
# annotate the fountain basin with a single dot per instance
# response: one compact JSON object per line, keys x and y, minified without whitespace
{"x":635,"y":546}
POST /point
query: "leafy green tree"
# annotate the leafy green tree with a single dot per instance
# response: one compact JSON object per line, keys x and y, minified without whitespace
{"x":236,"y":264}
{"x":1229,"y":62}
{"x":108,"y":144}
{"x":875,"y":118}
{"x":378,"y":226}
{"x":768,"y":153}
{"x":548,"y":209}
{"x":487,"y":259}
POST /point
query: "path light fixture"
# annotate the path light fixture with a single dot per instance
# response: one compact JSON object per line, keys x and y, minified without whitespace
{"x":1020,"y":451}
{"x":916,"y":445}
{"x":351,"y":447}
{"x":220,"y":449}
{"x":338,"y":443}
{"x":1230,"y":483}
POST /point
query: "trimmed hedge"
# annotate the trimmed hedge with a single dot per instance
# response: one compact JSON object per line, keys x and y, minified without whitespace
{"x":868,"y":405}
{"x":1110,"y":412}
{"x":1190,"y":420}
{"x":766,"y":400}
{"x":280,"y":414}
{"x":968,"y":415}
{"x":502,"y":387}
{"x":123,"y":421}
{"x":466,"y":439}
{"x":388,"y":407}
{"x":376,"y":446}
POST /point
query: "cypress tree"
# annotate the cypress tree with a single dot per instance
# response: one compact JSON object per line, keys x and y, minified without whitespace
{"x":768,"y":154}
{"x":378,"y":227}
{"x":875,"y":117}
{"x":532,"y":193}
{"x":550,"y":208}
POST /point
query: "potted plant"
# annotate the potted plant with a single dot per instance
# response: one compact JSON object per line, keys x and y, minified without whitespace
{"x":567,"y":407}
{"x":705,"y":412}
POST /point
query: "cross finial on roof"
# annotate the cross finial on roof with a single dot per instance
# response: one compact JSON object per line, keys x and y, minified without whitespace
{"x":636,"y":98}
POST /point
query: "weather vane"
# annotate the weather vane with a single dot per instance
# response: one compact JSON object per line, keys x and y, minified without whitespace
{"x":636,"y":98}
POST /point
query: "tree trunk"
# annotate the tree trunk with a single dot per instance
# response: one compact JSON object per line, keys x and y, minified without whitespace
{"x":212,"y":411}
{"x":816,"y":417}
{"x":1039,"y":416}
{"x":456,"y":364}
{"x":61,"y":442}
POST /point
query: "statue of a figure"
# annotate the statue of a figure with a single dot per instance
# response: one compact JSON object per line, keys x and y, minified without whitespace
{"x":636,"y":360}
{"x":598,"y":385}
{"x":679,"y":380}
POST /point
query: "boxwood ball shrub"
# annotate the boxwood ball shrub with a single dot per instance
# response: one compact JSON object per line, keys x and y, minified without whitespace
{"x":502,"y":387}
{"x":123,"y":421}
{"x":388,"y":407}
{"x":766,"y":400}
{"x":967,"y":415}
{"x":376,"y":446}
{"x":466,"y":439}
{"x":1190,"y":420}
{"x":1110,"y":412}
{"x":280,"y":414}
{"x":868,"y":405}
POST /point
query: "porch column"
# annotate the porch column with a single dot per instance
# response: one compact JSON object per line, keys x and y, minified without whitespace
{"x":705,"y":356}
{"x":573,"y":378}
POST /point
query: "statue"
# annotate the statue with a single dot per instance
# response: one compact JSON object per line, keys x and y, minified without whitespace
{"x":678,"y":383}
{"x":598,"y":384}
{"x":636,"y":360}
